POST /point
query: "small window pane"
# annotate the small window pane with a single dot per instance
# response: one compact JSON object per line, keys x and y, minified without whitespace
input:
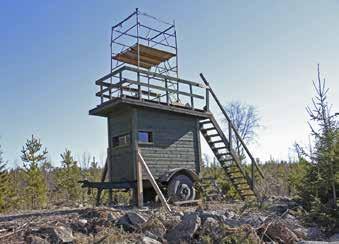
{"x":145,"y":136}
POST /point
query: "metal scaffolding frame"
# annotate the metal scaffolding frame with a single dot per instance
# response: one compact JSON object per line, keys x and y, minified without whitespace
{"x":140,"y":30}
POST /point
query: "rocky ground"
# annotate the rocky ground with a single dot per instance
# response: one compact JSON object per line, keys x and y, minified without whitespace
{"x":213,"y":222}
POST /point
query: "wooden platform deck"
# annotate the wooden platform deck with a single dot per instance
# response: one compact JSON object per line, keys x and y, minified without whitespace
{"x":148,"y":57}
{"x":105,"y":108}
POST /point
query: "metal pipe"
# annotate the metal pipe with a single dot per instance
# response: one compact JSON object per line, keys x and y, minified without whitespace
{"x":121,"y":22}
{"x":162,"y":32}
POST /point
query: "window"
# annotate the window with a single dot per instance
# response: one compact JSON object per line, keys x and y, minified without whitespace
{"x":145,"y":137}
{"x":121,"y":140}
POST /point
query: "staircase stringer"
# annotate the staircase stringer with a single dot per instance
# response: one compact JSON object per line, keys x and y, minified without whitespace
{"x":234,"y":156}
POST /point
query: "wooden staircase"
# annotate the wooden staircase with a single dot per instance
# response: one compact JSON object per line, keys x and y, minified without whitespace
{"x":228,"y":155}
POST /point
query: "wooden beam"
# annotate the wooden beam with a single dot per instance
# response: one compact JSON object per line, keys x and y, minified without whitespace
{"x":130,"y":89}
{"x":154,"y":183}
{"x":106,"y":77}
{"x":164,"y":89}
{"x":170,"y":78}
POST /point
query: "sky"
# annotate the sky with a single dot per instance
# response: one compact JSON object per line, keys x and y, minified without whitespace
{"x":263,"y":53}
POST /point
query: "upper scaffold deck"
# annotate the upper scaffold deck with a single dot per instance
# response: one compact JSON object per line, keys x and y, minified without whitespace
{"x":148,"y":56}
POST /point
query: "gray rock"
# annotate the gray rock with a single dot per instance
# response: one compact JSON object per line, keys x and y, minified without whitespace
{"x":135,"y":218}
{"x":314,"y":233}
{"x":126,"y":223}
{"x":58,"y":234}
{"x":231,"y":220}
{"x":185,"y":230}
{"x":254,"y":219}
{"x":316,"y":242}
{"x":154,"y":226}
{"x":212,"y":228}
{"x":151,"y":235}
{"x":63,"y":234}
{"x":110,"y":217}
{"x":335,"y":237}
{"x":148,"y":240}
{"x":31,"y":239}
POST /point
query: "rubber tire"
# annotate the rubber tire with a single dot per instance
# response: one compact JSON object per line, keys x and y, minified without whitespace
{"x":181,"y":188}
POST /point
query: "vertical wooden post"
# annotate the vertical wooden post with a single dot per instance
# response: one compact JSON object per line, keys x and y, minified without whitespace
{"x":177,"y":91}
{"x":138,"y":196}
{"x":139,"y":86}
{"x":109,"y":161}
{"x":192,"y":99}
{"x":207,"y":99}
{"x":140,"y":193}
{"x":253,"y":177}
{"x":166,"y":86}
{"x":110,"y":173}
{"x":101,"y":95}
{"x":103,"y":178}
{"x":121,"y":88}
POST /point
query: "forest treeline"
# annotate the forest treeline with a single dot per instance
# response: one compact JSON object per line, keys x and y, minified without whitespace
{"x":37,"y":184}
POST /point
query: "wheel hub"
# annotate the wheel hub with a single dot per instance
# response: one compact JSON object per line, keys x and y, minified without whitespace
{"x":184,"y":192}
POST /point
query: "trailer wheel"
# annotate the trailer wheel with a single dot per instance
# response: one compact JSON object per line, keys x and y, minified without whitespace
{"x":181,"y":188}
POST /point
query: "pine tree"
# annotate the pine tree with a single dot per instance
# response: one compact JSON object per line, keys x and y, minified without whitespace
{"x":68,"y":176}
{"x":33,"y":155}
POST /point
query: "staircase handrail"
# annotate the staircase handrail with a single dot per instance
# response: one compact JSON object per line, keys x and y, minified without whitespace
{"x":208,"y":87}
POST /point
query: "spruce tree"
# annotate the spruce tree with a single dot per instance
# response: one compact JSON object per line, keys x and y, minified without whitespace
{"x":318,"y":186}
{"x":68,"y":176}
{"x":33,"y":155}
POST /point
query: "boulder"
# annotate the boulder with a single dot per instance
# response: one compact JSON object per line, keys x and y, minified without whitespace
{"x":126,"y":224}
{"x":253,"y":219}
{"x":57,"y":234}
{"x":185,"y":230}
{"x":63,"y":234}
{"x":280,"y":232}
{"x":148,"y":240}
{"x":135,"y":218}
{"x":314,"y":233}
{"x":213,"y":228}
{"x":32,"y":239}
{"x":155,"y":227}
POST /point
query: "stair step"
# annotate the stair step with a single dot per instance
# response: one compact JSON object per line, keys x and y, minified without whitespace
{"x":234,"y":172}
{"x":205,"y":121}
{"x":212,"y":135}
{"x":221,"y":147}
{"x":222,"y":154}
{"x":213,"y":142}
{"x":248,"y":195}
{"x":226,"y":160}
{"x":203,"y":130}
{"x":241,"y":183}
{"x":239,"y":177}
